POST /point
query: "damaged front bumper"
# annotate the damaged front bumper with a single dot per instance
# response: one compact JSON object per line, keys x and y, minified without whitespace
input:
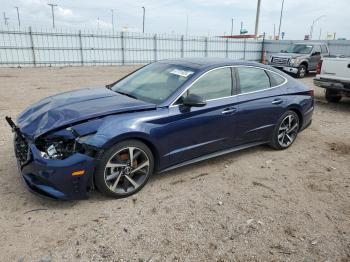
{"x":55,"y":178}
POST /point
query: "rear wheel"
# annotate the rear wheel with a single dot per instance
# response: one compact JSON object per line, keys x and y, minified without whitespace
{"x":124,"y":169}
{"x":301,"y":71}
{"x":332,"y":96}
{"x":286,"y":131}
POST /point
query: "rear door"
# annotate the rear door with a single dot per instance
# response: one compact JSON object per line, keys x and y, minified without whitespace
{"x":261,"y":103}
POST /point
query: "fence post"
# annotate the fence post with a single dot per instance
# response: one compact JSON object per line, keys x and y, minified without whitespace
{"x":226,"y":48}
{"x":206,"y":47}
{"x":245,"y":42}
{"x":81,"y":49}
{"x":182,"y":46}
{"x":122,"y":45}
{"x":155,"y":47}
{"x":262,"y":49}
{"x":32,"y":46}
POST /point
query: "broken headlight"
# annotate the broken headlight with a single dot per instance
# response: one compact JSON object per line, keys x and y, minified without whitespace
{"x":58,"y":148}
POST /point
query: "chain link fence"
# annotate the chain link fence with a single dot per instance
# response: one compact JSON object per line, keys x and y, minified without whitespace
{"x":29,"y":47}
{"x":34,"y":47}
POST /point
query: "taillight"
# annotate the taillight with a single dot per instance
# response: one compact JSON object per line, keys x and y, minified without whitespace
{"x":319,"y":66}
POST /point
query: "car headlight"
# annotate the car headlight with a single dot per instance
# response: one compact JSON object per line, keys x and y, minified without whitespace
{"x":294,"y":61}
{"x":58,"y":148}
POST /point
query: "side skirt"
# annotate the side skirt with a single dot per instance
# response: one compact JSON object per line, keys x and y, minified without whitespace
{"x":215,"y":154}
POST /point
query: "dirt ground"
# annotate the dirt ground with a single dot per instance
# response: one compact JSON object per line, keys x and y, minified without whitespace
{"x":254,"y":205}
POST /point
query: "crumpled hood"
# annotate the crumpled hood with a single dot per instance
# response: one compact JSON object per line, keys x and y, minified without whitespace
{"x":75,"y":106}
{"x":288,"y":55}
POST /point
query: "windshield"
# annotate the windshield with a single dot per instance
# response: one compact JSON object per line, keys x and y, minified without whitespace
{"x":155,"y":82}
{"x":299,"y":49}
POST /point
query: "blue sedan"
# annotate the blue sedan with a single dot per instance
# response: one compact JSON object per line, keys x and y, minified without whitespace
{"x":162,"y":116}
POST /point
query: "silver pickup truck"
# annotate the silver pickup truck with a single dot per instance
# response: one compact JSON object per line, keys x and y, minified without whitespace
{"x":299,"y":58}
{"x":333,"y":74}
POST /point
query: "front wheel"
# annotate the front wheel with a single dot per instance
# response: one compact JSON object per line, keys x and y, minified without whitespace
{"x":124,"y":169}
{"x":301,"y":71}
{"x":286,"y":131}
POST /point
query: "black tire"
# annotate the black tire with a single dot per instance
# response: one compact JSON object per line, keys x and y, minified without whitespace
{"x":301,"y":71}
{"x":332,"y":96}
{"x":276,"y":139}
{"x":117,"y":153}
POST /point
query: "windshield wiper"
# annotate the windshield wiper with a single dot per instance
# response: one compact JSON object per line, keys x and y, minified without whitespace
{"x":126,"y":94}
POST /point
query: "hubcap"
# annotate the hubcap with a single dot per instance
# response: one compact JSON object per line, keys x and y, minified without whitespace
{"x":302,"y":72}
{"x":127,"y":170}
{"x":288,"y":130}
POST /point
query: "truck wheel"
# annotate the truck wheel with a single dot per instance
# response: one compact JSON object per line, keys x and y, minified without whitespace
{"x":301,"y":71}
{"x":332,"y":96}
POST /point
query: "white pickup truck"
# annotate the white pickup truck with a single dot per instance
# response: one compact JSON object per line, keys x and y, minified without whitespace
{"x":333,"y":74}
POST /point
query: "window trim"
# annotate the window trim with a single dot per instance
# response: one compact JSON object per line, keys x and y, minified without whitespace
{"x":233,"y":70}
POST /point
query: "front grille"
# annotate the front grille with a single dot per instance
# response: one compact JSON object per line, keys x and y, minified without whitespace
{"x":22,"y":150}
{"x":280,"y":60}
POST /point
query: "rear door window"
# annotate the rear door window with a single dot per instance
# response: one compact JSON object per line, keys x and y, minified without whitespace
{"x":275,"y":79}
{"x":252,"y":79}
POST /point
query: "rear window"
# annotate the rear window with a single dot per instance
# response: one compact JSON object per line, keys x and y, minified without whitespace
{"x":324,"y":49}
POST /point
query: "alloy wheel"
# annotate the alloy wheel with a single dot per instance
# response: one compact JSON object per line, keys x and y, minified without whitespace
{"x":302,"y":72}
{"x":127,"y":170}
{"x":288,"y":130}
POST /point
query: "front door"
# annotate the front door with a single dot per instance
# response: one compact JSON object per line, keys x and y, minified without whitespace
{"x":197,"y":131}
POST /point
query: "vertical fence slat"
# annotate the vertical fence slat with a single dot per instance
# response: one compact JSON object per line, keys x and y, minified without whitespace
{"x":32,"y":45}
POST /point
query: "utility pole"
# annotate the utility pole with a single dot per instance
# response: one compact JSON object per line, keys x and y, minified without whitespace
{"x":319,"y":36}
{"x":98,"y":23}
{"x":187,"y":26}
{"x":279,"y":27}
{"x":53,"y":14}
{"x":112,"y":20}
{"x":232,"y":26}
{"x":6,"y":19}
{"x":274,"y":31}
{"x":257,"y":18}
{"x":143,"y":20}
{"x":312,"y":25}
{"x":241,"y":27}
{"x":19,"y":21}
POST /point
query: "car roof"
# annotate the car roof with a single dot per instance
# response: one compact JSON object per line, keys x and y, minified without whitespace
{"x":202,"y":63}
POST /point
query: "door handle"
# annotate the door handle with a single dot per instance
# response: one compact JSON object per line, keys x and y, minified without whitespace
{"x":277,"y":101}
{"x":229,"y":110}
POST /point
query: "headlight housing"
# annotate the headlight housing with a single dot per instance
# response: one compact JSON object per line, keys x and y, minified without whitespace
{"x":294,"y":61}
{"x":58,"y":147}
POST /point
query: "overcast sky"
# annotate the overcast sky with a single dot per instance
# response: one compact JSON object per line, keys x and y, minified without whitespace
{"x":205,"y":17}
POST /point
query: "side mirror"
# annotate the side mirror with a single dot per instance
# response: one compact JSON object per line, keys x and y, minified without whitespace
{"x":193,"y":100}
{"x":316,"y":53}
{"x":282,"y":51}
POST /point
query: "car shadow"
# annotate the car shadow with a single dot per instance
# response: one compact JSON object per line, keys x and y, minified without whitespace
{"x":342,"y":106}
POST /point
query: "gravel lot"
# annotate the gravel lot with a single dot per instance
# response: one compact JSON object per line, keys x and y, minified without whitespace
{"x":254,"y":205}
